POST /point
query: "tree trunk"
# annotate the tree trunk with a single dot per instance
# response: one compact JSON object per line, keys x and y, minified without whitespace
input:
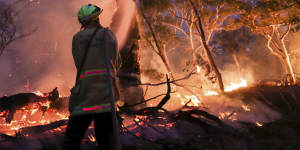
{"x":209,"y":56}
{"x":288,"y":66}
{"x":281,"y":52}
{"x":237,"y":63}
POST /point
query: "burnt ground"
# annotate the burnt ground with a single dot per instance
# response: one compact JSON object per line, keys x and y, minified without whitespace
{"x":194,"y":129}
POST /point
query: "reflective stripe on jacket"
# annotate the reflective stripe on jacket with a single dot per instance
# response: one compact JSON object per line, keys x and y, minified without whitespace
{"x":95,"y":72}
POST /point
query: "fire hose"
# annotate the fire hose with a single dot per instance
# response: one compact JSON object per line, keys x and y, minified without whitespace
{"x":112,"y":100}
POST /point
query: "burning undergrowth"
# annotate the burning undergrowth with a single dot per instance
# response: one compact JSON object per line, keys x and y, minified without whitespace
{"x":40,"y":123}
{"x":188,"y":111}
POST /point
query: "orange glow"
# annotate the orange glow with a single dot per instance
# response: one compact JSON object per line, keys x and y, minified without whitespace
{"x":31,"y":115}
{"x":258,"y":124}
{"x":189,"y":100}
{"x":228,"y":116}
{"x":234,"y":86}
{"x":92,"y":138}
{"x":228,"y":88}
{"x":246,"y":108}
{"x":210,"y":93}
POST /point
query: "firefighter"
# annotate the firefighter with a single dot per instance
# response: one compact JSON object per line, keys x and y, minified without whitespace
{"x":90,"y":98}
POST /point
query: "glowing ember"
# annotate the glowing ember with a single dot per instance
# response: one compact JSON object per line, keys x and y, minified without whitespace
{"x":137,"y":119}
{"x":258,"y":124}
{"x":234,"y":86}
{"x":228,"y":116}
{"x":246,"y":108}
{"x":92,"y":138}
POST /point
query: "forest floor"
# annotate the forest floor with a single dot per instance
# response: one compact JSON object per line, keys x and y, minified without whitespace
{"x":194,"y":129}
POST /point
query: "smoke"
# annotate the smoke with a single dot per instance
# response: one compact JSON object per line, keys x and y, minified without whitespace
{"x":122,"y":20}
{"x":256,"y":64}
{"x":294,"y":51}
{"x":43,"y":60}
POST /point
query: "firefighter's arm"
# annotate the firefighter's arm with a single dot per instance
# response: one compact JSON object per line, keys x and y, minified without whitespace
{"x":75,"y":50}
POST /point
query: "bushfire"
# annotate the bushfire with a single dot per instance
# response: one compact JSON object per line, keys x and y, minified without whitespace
{"x":33,"y":114}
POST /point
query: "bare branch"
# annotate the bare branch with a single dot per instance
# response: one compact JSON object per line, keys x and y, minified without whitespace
{"x":173,"y":81}
{"x":286,"y":32}
{"x":176,"y":27}
{"x":269,"y":37}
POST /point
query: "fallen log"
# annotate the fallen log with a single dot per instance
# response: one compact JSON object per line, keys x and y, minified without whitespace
{"x":15,"y":102}
{"x":42,"y":128}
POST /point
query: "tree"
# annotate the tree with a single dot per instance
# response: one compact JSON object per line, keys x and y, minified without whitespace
{"x":157,"y":35}
{"x":8,"y":28}
{"x":233,"y":42}
{"x":274,"y":19}
{"x":191,"y":21}
{"x":203,"y":40}
{"x":205,"y":19}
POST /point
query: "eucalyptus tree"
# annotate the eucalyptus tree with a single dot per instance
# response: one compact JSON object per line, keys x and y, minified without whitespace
{"x":274,"y":19}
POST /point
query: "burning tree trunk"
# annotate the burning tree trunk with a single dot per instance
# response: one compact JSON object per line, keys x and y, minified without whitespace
{"x":205,"y":46}
{"x":279,"y":49}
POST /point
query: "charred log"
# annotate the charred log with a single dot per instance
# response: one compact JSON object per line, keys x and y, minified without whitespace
{"x":12,"y":103}
{"x":42,"y":128}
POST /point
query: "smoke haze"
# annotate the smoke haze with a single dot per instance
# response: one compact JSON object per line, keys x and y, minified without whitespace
{"x":43,"y":60}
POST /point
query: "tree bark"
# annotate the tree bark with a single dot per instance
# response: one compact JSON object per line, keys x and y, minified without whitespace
{"x":288,"y":65}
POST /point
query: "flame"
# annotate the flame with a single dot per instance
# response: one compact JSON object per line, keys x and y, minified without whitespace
{"x":39,"y":93}
{"x":231,"y":87}
{"x":210,"y":93}
{"x":228,"y":116}
{"x":234,"y":86}
{"x":194,"y":100}
{"x":30,"y":115}
{"x":189,"y":100}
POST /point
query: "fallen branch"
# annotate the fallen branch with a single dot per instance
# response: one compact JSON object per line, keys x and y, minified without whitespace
{"x":42,"y":128}
{"x":173,"y":81}
{"x":151,"y":110}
